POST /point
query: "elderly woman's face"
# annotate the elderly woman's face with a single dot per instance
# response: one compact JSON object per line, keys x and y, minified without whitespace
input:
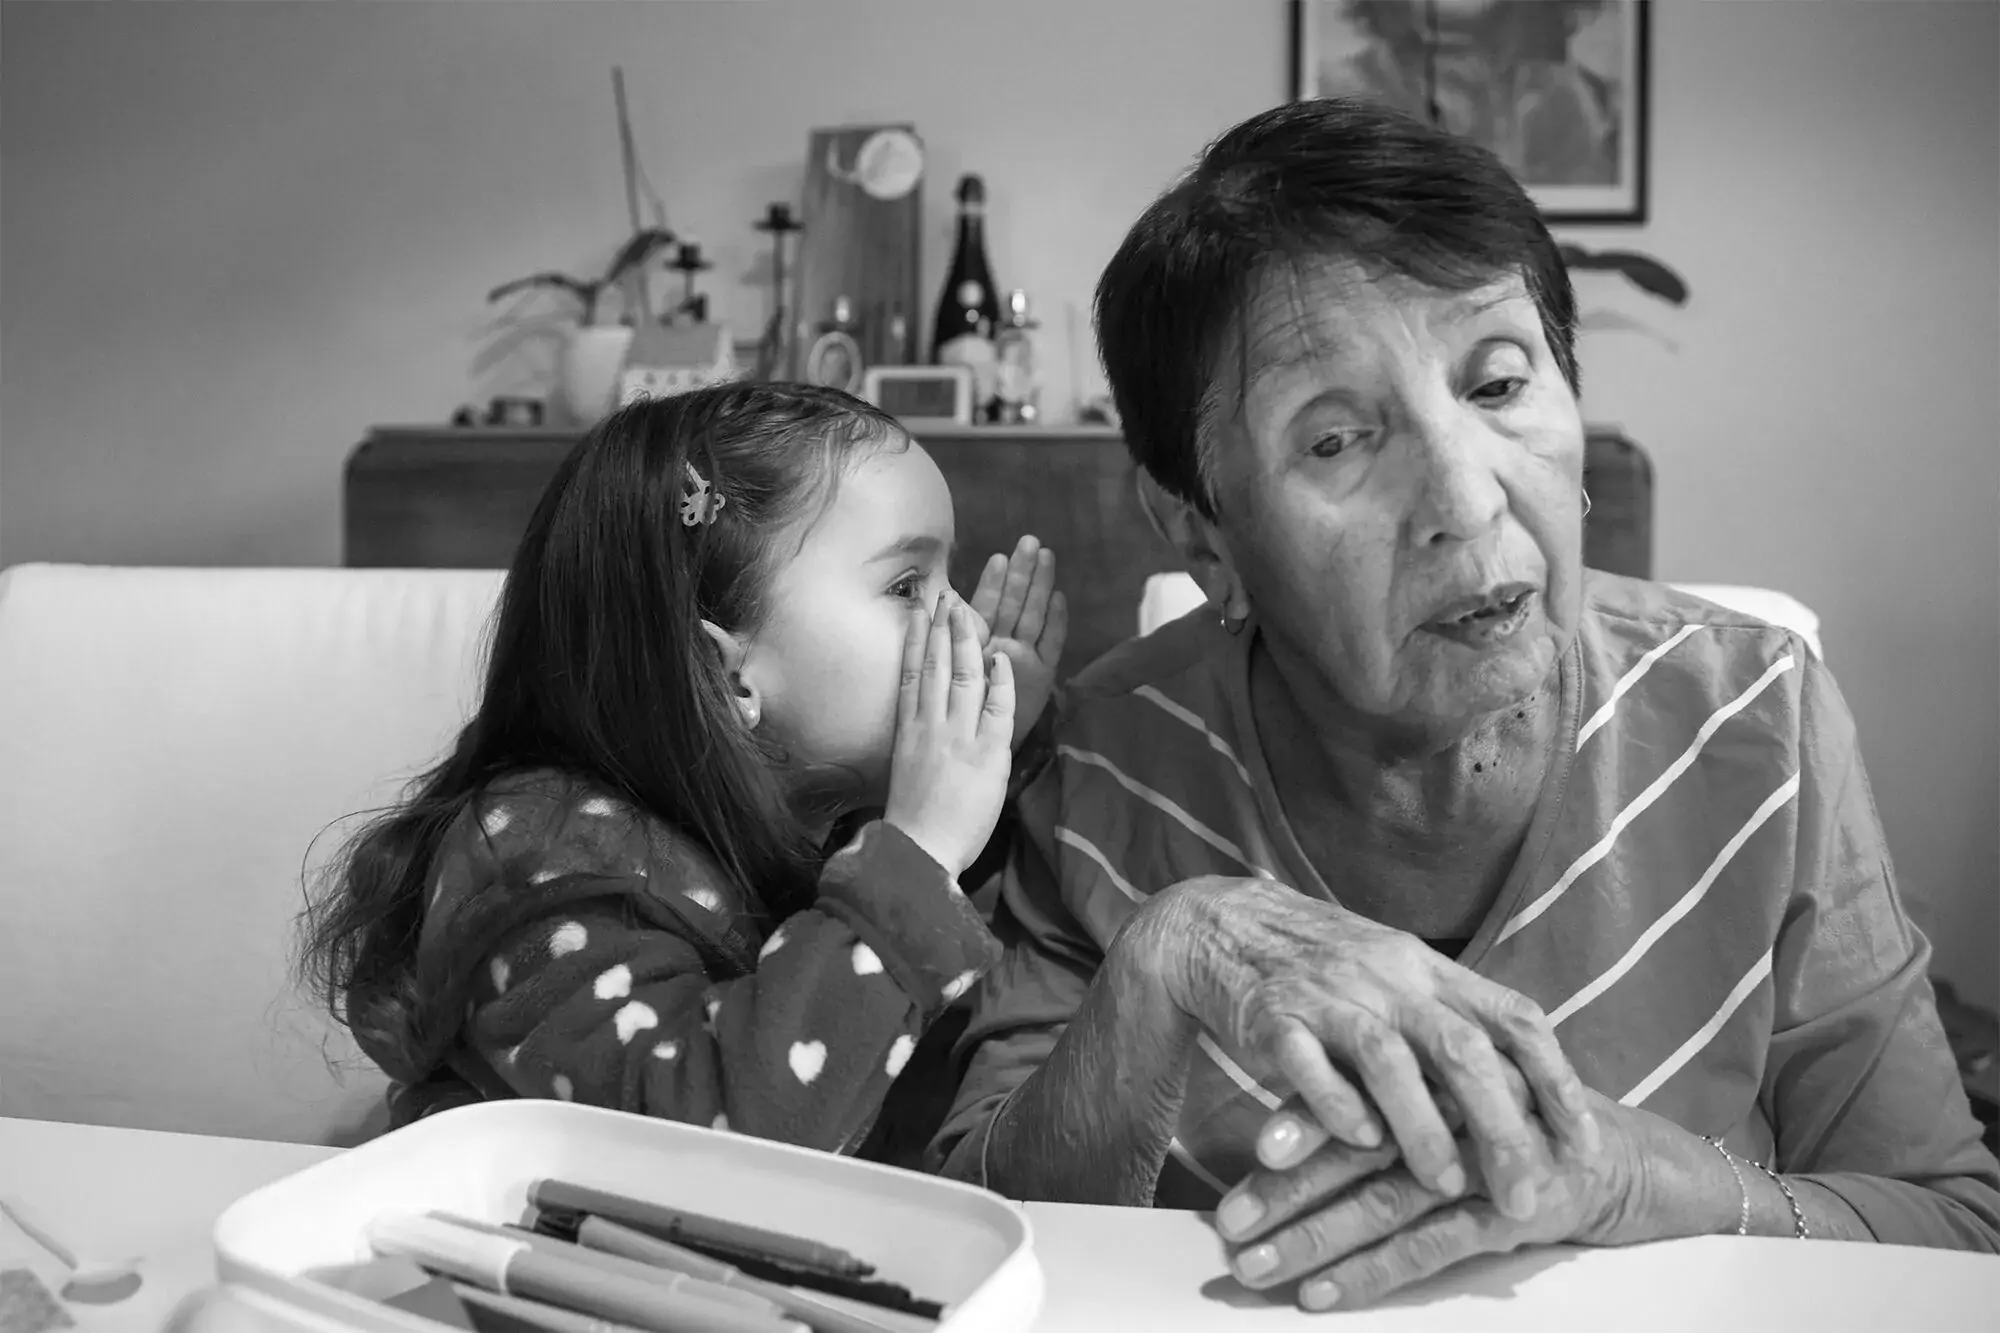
{"x":1401,"y":495}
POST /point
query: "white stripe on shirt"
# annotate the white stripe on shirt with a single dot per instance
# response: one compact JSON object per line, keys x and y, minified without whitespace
{"x":1237,"y":1074}
{"x":1166,"y":806}
{"x":1200,"y":1172}
{"x":1644,"y":799}
{"x":1650,"y":1084}
{"x":1627,"y":681}
{"x":1200,"y":724}
{"x":1069,"y":836}
{"x":1772,"y":803}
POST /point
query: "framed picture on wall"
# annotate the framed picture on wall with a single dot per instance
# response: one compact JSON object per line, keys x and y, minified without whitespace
{"x":1556,"y":88}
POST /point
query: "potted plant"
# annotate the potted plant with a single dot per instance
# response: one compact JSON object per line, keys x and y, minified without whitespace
{"x":593,"y":352}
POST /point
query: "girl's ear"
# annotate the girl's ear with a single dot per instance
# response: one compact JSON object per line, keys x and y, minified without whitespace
{"x":749,"y":706}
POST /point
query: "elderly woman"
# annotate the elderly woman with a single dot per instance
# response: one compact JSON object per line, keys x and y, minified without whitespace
{"x":1430,"y":895}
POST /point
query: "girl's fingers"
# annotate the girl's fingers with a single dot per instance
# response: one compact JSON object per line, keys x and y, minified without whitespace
{"x":1035,"y":604}
{"x":986,"y":597}
{"x":1056,"y":632}
{"x":996,"y":718}
{"x":968,"y":671}
{"x":1014,"y":591}
{"x":916,"y":640}
{"x":937,"y":661}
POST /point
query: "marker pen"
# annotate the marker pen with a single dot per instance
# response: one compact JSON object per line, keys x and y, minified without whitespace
{"x":689,"y":1284}
{"x":597,"y":1234}
{"x":678,"y":1225}
{"x":512,"y":1267}
{"x":533,"y":1314}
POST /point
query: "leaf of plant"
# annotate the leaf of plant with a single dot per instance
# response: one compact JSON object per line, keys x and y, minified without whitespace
{"x":583,"y":291}
{"x":637,"y":251}
{"x":1649,"y":275}
{"x":1646,"y":273}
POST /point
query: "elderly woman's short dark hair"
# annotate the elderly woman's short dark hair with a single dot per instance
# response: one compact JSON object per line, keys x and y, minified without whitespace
{"x":1330,"y":178}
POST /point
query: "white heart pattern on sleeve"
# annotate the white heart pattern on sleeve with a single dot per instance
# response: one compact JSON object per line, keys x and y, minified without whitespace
{"x":807,"y":1058}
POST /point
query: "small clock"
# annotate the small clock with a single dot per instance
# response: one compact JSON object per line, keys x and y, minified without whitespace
{"x":921,"y":396}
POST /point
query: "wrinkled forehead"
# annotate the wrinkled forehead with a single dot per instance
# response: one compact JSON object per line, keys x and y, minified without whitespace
{"x":1309,"y":316}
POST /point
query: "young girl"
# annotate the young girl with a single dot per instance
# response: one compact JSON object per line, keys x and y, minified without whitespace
{"x":726,"y":631}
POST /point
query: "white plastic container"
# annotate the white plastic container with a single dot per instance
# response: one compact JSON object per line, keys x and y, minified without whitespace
{"x":948,"y":1242}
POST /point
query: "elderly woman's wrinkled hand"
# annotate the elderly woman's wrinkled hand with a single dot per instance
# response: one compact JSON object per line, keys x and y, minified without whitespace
{"x":1357,"y":1226}
{"x":1306,"y":983}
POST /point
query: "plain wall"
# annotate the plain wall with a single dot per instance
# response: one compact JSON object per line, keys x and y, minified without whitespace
{"x":234,"y":236}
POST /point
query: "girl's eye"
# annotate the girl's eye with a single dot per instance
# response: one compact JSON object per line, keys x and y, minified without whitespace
{"x":909,"y":587}
{"x":1502,"y":390}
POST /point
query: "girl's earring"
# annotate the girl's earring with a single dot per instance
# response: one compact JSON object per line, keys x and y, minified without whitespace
{"x":1586,"y":504}
{"x":751,"y":713}
{"x":1234,"y":624}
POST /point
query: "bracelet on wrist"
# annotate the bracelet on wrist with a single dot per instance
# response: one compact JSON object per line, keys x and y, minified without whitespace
{"x":1742,"y":1186}
{"x":1800,"y":1231}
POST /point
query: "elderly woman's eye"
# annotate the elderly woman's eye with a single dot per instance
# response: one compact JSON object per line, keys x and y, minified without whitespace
{"x":1501,"y":390}
{"x":1333,"y":442}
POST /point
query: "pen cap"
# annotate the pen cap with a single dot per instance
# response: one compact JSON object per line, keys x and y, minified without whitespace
{"x":470,"y":1256}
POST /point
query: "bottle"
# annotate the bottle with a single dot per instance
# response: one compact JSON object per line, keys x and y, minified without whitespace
{"x":835,"y":359}
{"x":967,"y":309}
{"x":1016,"y":395}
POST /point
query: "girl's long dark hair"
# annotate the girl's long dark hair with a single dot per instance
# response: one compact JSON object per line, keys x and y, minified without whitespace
{"x":598,"y":666}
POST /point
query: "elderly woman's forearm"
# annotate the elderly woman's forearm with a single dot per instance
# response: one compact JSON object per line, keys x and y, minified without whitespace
{"x":1947,"y":1213}
{"x":1092,"y":1125}
{"x":1686,"y":1188}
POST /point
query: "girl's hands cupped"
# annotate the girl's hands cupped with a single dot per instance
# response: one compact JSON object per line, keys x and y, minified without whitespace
{"x":954,"y":736}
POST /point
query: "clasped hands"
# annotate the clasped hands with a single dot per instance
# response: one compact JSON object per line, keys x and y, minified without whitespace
{"x":1469,"y":1132}
{"x":1474,"y":1135}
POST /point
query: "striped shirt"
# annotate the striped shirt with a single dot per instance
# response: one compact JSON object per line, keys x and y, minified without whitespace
{"x":1704,"y":905}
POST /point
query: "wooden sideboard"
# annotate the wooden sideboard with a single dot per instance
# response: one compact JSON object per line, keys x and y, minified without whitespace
{"x":458,"y":498}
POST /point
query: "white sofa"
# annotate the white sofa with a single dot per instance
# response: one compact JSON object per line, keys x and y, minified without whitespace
{"x":172,"y":743}
{"x":178,"y":750}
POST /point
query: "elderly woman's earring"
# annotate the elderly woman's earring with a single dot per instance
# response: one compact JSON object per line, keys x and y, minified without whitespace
{"x":750,"y":713}
{"x":1586,"y":504}
{"x":1233,"y":624}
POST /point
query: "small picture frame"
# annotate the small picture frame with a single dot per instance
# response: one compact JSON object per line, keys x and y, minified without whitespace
{"x":921,"y":397}
{"x":1556,"y":88}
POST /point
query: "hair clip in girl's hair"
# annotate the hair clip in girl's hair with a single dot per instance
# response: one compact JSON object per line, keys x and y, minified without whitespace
{"x":700,"y":505}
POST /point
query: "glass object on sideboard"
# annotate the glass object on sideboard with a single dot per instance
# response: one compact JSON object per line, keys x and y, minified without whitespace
{"x":835,"y":359}
{"x":1016,"y":391}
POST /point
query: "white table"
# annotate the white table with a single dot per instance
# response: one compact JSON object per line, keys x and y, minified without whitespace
{"x":122,"y":1192}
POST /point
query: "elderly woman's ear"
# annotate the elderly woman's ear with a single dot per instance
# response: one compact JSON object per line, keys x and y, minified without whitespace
{"x":1201,"y":548}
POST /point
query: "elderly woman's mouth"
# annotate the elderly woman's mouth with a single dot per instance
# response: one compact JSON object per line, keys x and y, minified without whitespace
{"x":1487,"y":618}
